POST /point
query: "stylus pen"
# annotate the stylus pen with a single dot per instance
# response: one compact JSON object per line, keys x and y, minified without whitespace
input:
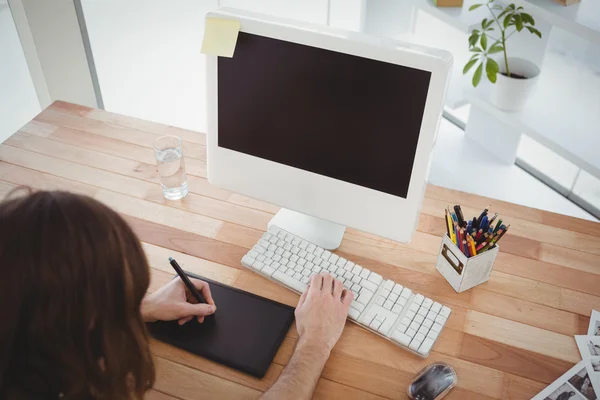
{"x":186,"y":280}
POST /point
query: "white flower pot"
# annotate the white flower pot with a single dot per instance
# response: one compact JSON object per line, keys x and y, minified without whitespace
{"x":511,"y":94}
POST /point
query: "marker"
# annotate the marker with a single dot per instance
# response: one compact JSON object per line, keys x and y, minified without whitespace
{"x":498,"y":225}
{"x":459,"y":215}
{"x":484,"y":222}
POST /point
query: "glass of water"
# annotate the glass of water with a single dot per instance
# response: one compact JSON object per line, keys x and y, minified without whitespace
{"x":171,"y":167}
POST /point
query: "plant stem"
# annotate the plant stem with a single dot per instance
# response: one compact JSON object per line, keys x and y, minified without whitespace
{"x":505,"y":55}
{"x":502,"y":30}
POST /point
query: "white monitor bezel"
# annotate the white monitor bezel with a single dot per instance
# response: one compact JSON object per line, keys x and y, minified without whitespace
{"x":317,"y":195}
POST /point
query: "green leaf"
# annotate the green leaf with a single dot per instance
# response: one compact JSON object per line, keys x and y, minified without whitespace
{"x":511,"y":7}
{"x":474,"y":7}
{"x":528,"y":19}
{"x":507,"y":21}
{"x":483,"y":41}
{"x":476,"y":49}
{"x":497,"y":7}
{"x":506,"y":10}
{"x":491,"y":69}
{"x":477,"y":75}
{"x":473,"y":39}
{"x":483,"y":23}
{"x":488,"y":24}
{"x":496,"y":48}
{"x":520,"y":8}
{"x":534,"y":31}
{"x":519,"y":22}
{"x":469,"y":65}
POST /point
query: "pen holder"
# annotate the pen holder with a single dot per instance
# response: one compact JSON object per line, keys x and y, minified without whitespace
{"x":462,"y":272}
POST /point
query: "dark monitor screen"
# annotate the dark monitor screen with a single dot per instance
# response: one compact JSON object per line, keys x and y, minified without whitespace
{"x":346,"y":117}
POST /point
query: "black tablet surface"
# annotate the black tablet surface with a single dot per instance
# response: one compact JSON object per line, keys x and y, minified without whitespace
{"x":244,"y":333}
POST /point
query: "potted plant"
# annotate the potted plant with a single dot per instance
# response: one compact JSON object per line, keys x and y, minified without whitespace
{"x":513,"y":78}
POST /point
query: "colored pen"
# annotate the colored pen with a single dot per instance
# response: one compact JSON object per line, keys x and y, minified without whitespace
{"x":459,"y":215}
{"x":447,"y":226}
{"x":186,"y":281}
{"x":484,"y":222}
{"x":474,"y":223}
{"x":498,"y":225}
{"x":484,"y":212}
{"x":481,"y":246}
{"x":493,"y":219}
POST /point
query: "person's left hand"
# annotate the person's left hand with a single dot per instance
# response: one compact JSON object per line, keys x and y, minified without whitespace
{"x":174,"y":301}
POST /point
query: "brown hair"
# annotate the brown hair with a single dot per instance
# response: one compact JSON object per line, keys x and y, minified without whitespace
{"x":72,"y":277}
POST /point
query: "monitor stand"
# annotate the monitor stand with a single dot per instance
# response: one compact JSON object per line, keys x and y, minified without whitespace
{"x":325,"y":234}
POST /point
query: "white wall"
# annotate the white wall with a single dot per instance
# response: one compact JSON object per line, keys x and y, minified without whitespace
{"x":18,"y":99}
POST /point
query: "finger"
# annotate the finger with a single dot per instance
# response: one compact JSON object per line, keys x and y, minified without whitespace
{"x":302,"y":299}
{"x":200,"y":320}
{"x":316,"y":282}
{"x":347,"y":297}
{"x":328,"y":284}
{"x":196,"y":310}
{"x":204,"y":289}
{"x":338,"y":287}
{"x":182,"y":321}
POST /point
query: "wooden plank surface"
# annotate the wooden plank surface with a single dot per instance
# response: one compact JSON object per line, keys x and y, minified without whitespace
{"x":507,"y":338}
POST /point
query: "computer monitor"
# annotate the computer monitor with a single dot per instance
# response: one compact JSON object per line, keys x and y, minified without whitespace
{"x":336,"y":127}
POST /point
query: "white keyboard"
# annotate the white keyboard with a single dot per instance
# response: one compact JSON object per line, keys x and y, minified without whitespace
{"x":408,"y":319}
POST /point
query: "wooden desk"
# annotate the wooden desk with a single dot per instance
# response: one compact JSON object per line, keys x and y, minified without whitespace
{"x":507,"y":338}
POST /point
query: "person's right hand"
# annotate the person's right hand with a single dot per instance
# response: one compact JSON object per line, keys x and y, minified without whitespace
{"x":321,"y":312}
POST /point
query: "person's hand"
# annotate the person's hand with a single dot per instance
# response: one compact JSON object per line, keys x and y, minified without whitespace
{"x":175,"y":302}
{"x":321,"y":312}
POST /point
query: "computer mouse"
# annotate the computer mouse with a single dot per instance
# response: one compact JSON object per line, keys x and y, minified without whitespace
{"x":432,"y":382}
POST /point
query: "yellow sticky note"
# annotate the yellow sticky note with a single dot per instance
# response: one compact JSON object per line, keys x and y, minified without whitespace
{"x":220,"y":37}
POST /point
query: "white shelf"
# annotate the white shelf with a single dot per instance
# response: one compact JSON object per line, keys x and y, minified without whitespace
{"x":582,"y":19}
{"x":563,"y":114}
{"x":461,"y":164}
{"x":459,"y":17}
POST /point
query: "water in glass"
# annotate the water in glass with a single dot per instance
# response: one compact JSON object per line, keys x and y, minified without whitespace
{"x":171,"y":167}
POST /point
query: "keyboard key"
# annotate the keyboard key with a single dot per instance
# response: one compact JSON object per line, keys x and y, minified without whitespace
{"x":393,"y":297}
{"x":380,"y":317}
{"x":388,"y":305}
{"x":318,"y":251}
{"x":425,"y":346}
{"x":427,"y":303}
{"x":281,"y":243}
{"x":445,"y":312}
{"x":248,"y":261}
{"x":427,"y":323}
{"x":258,"y":265}
{"x":252,"y":254}
{"x":348,"y":265}
{"x":305,"y":280}
{"x":389,"y":285}
{"x":276,"y":257}
{"x":375,"y":278}
{"x":267,"y":236}
{"x":414,"y":307}
{"x":359,"y":306}
{"x":375,"y":325}
{"x":311,"y":248}
{"x":365,"y":273}
{"x":282,"y":269}
{"x":273,"y":230}
{"x":386,"y":326}
{"x":288,"y":247}
{"x":410,"y":314}
{"x":415,"y":344}
{"x":414,"y":326}
{"x":302,"y":253}
{"x":261,"y":257}
{"x":310,"y":257}
{"x":385,"y":293}
{"x":419,"y":319}
{"x":268,"y":261}
{"x":436,"y":327}
{"x":423,"y":330}
{"x":401,"y":338}
{"x":422,"y":311}
{"x":419,"y":336}
{"x":369,"y":285}
{"x":302,"y":262}
{"x":440,"y":320}
{"x":303,"y":245}
{"x":286,"y":254}
{"x":259,"y":249}
{"x":406,"y":292}
{"x":436,"y":307}
{"x":295,"y":242}
{"x":298,"y":276}
{"x":356,"y":288}
{"x":290,"y":272}
{"x":348,"y":275}
{"x":411,"y":332}
{"x":397,"y":289}
{"x":356,"y":279}
{"x":357,"y":269}
{"x":353,"y":313}
{"x":401,"y":301}
{"x":367,"y":318}
{"x":431,"y":315}
{"x":365,"y":296}
{"x":279,"y":251}
{"x":334,"y":258}
{"x":406,"y":321}
{"x":294,"y":258}
{"x":419,"y":299}
{"x":290,"y":282}
{"x":397,"y":308}
{"x":401,"y":328}
{"x":433,"y":334}
{"x":306,"y":272}
{"x":379,"y":300}
{"x":263,"y":243}
{"x":326,"y":254}
{"x":295,"y":250}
